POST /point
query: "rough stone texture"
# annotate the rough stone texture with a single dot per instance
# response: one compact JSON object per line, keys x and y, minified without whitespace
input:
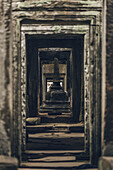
{"x":4,"y":148}
{"x":108,"y":137}
{"x":5,"y":103}
{"x":33,"y":121}
{"x":105,"y":163}
{"x":8,"y":163}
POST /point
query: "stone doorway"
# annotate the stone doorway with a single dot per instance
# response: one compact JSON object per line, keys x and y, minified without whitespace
{"x":58,"y":18}
{"x":31,"y":42}
{"x":84,"y":22}
{"x":40,"y":52}
{"x":59,"y":134}
{"x":69,"y":49}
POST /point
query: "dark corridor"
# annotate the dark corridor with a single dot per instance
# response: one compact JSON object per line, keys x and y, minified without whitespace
{"x":72,"y":56}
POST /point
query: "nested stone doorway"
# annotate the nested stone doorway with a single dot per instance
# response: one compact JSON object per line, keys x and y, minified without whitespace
{"x":41,"y":51}
{"x":33,"y":20}
{"x":76,"y":42}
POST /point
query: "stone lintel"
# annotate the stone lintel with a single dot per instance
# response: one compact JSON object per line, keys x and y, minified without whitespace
{"x":49,"y":5}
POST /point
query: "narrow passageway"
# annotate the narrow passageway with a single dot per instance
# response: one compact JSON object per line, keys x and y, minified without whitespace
{"x":53,"y":146}
{"x":56,"y":64}
{"x":56,"y":141}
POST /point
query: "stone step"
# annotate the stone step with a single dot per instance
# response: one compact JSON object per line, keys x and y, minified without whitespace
{"x":54,"y":146}
{"x":46,"y":141}
{"x":55,"y":136}
{"x":51,"y":159}
{"x":53,"y":162}
{"x":66,"y":118}
{"x":53,"y":165}
{"x":31,"y":154}
{"x":42,"y":153}
{"x":55,"y":169}
{"x":56,"y":127}
{"x":34,"y":154}
{"x":61,"y":160}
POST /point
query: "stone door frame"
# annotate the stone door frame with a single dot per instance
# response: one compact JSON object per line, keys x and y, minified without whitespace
{"x":84,"y":18}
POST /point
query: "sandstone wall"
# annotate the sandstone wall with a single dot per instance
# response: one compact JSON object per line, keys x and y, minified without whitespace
{"x":108,"y":131}
{"x":5,"y":76}
{"x":6,"y":86}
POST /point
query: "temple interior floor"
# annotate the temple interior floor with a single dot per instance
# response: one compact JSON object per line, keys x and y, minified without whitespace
{"x":52,"y":146}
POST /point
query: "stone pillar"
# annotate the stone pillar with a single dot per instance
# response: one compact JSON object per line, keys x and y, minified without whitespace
{"x":5,"y":82}
{"x":6,"y":162}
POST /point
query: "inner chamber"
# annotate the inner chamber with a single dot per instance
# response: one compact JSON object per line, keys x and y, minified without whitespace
{"x":41,"y":51}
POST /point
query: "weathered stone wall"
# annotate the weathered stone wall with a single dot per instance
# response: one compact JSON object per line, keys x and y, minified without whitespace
{"x":5,"y":81}
{"x":108,"y":135}
{"x":52,"y":11}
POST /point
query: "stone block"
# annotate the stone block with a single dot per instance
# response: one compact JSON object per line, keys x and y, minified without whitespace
{"x":8,"y":163}
{"x":108,"y":149}
{"x":33,"y":121}
{"x":105,"y":163}
{"x":4,"y":147}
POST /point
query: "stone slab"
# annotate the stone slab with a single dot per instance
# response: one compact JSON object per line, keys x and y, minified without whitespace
{"x":33,"y":121}
{"x":54,"y":141}
{"x":56,"y":135}
{"x":106,"y":163}
{"x":67,"y":118}
{"x":53,"y":169}
{"x":8,"y":163}
{"x":39,"y":153}
{"x":56,"y":127}
{"x":35,"y":154}
{"x":56,"y":159}
{"x":66,"y":165}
